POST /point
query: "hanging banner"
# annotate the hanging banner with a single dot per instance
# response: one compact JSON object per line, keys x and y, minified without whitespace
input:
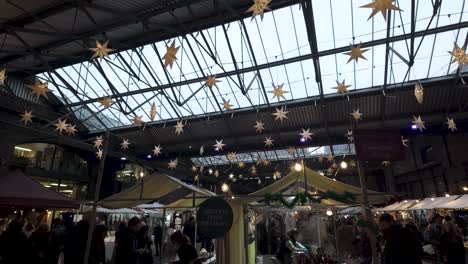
{"x":378,"y":145}
{"x":214,"y":218}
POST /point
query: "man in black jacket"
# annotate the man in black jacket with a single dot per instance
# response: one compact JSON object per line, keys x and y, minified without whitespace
{"x":126,"y":248}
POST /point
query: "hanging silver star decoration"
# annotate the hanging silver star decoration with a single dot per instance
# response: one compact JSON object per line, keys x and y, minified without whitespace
{"x":219,"y":145}
{"x":173,"y":164}
{"x":157,"y":150}
{"x":451,"y":124}
{"x":268,"y":142}
{"x":98,"y":142}
{"x":404,"y":141}
{"x":306,"y":134}
{"x":419,"y":123}
{"x":124,"y":145}
{"x":259,"y":127}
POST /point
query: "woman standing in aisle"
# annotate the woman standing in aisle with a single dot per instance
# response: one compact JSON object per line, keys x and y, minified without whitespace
{"x":451,"y":243}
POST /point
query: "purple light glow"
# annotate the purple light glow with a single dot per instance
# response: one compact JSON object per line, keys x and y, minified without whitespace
{"x":303,"y":140}
{"x":148,"y":156}
{"x":414,"y":127}
{"x":216,"y":149}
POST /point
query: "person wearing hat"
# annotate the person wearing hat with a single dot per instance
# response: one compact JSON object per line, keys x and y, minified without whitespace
{"x":290,"y":245}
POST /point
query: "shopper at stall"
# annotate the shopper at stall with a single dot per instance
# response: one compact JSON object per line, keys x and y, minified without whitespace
{"x":433,"y":234}
{"x":40,"y":244}
{"x":186,"y":252}
{"x":144,"y":245}
{"x":452,"y":249}
{"x":126,"y":251}
{"x":97,"y":254}
{"x":189,"y":229}
{"x":288,"y":246}
{"x":362,"y":249}
{"x":58,"y":236}
{"x":401,"y":245}
{"x":75,"y":244}
{"x":14,"y":244}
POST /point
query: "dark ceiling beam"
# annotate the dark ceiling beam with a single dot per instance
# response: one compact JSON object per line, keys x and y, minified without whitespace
{"x":287,"y":61}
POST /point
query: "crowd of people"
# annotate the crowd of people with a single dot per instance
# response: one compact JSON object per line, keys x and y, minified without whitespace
{"x":22,"y":243}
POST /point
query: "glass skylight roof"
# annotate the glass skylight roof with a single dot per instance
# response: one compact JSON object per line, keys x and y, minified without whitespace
{"x":136,"y":78}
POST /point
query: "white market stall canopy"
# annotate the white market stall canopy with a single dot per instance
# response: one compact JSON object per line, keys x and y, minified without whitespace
{"x":401,"y":206}
{"x":434,"y":202}
{"x":458,"y":203}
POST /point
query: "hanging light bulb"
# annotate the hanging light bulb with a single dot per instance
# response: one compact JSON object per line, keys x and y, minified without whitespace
{"x":210,"y":171}
{"x":259,"y":181}
{"x":231,"y":176}
{"x":329,"y":212}
{"x":298,"y":166}
{"x":142,"y":174}
{"x":225,"y":187}
{"x":344,"y":165}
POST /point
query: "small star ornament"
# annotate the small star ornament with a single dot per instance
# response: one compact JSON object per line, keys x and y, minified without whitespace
{"x":194,"y":169}
{"x":386,"y":163}
{"x":26,"y":117}
{"x":341,"y":87}
{"x":330,"y":171}
{"x":331,"y":158}
{"x":459,"y":55}
{"x":212,"y":81}
{"x":381,"y":6}
{"x":356,"y":53}
{"x":349,"y":136}
{"x":334,"y":165}
{"x":219,"y":145}
{"x":124,"y":145}
{"x":173,"y":164}
{"x":419,"y":92}
{"x":321,"y":158}
{"x":306,"y":134}
{"x":266,"y":162}
{"x":451,"y":124}
{"x":352,"y":163}
{"x":202,"y":168}
{"x":171,"y":55}
{"x":98,"y":142}
{"x":39,"y":89}
{"x":3,"y":76}
{"x":259,"y":161}
{"x":259,"y":127}
{"x":101,"y":50}
{"x":253,"y":170}
{"x":61,"y":126}
{"x":71,"y":130}
{"x":292,"y":151}
{"x":157,"y":150}
{"x":216,"y":173}
{"x":232,"y":156}
{"x":179,"y":127}
{"x":153,"y":112}
{"x":137,"y":120}
{"x":404,"y":142}
{"x":258,"y":8}
{"x":278,"y":91}
{"x":99,"y":154}
{"x":196,"y":178}
{"x":241,"y":164}
{"x":227,"y":105}
{"x":268,"y":142}
{"x":106,"y":101}
{"x":280,"y":114}
{"x":419,"y":123}
{"x":356,"y":114}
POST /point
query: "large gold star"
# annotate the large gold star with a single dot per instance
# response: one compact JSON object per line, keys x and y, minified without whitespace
{"x":101,"y":50}
{"x":173,"y":164}
{"x":331,"y":158}
{"x":268,"y":142}
{"x":61,"y":126}
{"x":179,"y":127}
{"x":232,"y":156}
{"x":419,"y":92}
{"x":2,"y":76}
{"x":451,"y":124}
{"x":278,"y":91}
{"x":258,"y":8}
{"x":356,"y":114}
{"x":459,"y":55}
{"x":356,"y":53}
{"x":259,"y":127}
{"x":280,"y":114}
{"x":26,"y":117}
{"x":266,"y":162}
{"x":98,"y":142}
{"x":124,"y":145}
{"x":39,"y":89}
{"x":352,"y":163}
{"x":153,"y":112}
{"x":99,"y":154}
{"x":341,"y":87}
{"x":219,"y":145}
{"x":157,"y":150}
{"x":71,"y":130}
{"x":306,"y":134}
{"x":226,"y":104}
{"x":212,"y":81}
{"x":419,"y":123}
{"x":137,"y":120}
{"x":241,"y":164}
{"x":106,"y":101}
{"x":171,"y":54}
{"x":381,"y":6}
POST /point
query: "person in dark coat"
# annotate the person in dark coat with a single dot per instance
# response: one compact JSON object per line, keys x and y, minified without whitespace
{"x":144,"y":245}
{"x":40,"y":244}
{"x":75,"y":244}
{"x":186,"y":252}
{"x":97,"y":254}
{"x":189,"y":229}
{"x":452,"y":249}
{"x":401,"y":245}
{"x":126,"y":244}
{"x":16,"y":247}
{"x":157,"y":233}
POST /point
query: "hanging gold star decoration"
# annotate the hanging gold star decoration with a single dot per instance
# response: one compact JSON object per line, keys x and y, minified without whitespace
{"x":417,"y":121}
{"x":258,"y":8}
{"x":172,"y":164}
{"x":227,"y":105}
{"x":124,"y":145}
{"x":259,"y":161}
{"x":39,"y":89}
{"x":211,"y":81}
{"x":196,"y":178}
{"x":306,"y":134}
{"x":202,"y":168}
{"x":157,"y":150}
{"x":241,"y":164}
{"x":356,"y":53}
{"x":26,"y":117}
{"x":99,"y":154}
{"x":268,"y":142}
{"x":349,"y":136}
{"x":404,"y":141}
{"x":216,"y":173}
{"x":179,"y":127}
{"x":171,"y":55}
{"x":232,"y":156}
{"x":459,"y":55}
{"x":280,"y":114}
{"x":278,"y":91}
{"x":98,"y":142}
{"x":330,"y":171}
{"x":341,"y":87}
{"x":71,"y":130}
{"x":419,"y":92}
{"x":381,"y":6}
{"x":321,"y":158}
{"x":137,"y":120}
{"x":219,"y":145}
{"x":451,"y":124}
{"x":356,"y":114}
{"x":153,"y":112}
{"x":334,"y":165}
{"x":352,"y":163}
{"x":106,"y":101}
{"x":101,"y":50}
{"x":331,"y":158}
{"x":61,"y":126}
{"x":253,"y":170}
{"x":3,"y":76}
{"x":194,"y":169}
{"x":266,"y":162}
{"x":259,"y":127}
{"x":292,"y":151}
{"x":386,"y":163}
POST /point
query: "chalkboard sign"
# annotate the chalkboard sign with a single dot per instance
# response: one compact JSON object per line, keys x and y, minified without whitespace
{"x":214,"y":218}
